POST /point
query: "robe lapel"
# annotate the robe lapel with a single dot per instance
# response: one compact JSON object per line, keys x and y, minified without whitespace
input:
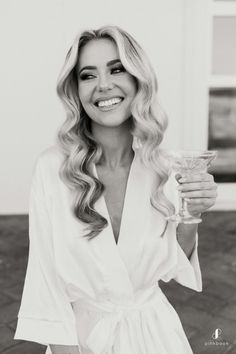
{"x":115,"y":271}
{"x":135,"y":212}
{"x":119,"y":258}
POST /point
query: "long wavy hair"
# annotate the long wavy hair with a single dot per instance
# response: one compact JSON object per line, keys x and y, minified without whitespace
{"x":78,"y":145}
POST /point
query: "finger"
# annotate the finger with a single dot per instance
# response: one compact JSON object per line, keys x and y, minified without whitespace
{"x":199,"y":194}
{"x":206,"y":202}
{"x":200,"y":177}
{"x":197,"y":186}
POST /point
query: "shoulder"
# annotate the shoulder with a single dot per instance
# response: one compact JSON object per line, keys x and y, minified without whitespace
{"x":51,"y":154}
{"x":50,"y":157}
{"x":47,"y":164}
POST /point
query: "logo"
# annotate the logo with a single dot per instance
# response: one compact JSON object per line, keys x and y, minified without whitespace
{"x":217,"y":334}
{"x":217,"y":338}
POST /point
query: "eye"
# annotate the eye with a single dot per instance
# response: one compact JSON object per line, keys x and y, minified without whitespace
{"x":118,"y":69}
{"x":86,"y":76}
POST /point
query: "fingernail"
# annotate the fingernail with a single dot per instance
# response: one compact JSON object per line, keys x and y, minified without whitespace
{"x":182,"y":180}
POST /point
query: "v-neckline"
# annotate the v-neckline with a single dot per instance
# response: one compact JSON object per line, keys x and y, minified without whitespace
{"x":103,"y":200}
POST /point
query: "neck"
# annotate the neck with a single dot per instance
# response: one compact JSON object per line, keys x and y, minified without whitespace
{"x":116,"y":144}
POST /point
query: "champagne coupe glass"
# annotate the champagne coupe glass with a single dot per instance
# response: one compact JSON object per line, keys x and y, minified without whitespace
{"x":188,"y":163}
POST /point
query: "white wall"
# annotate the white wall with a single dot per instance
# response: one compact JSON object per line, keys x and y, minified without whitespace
{"x":35,"y":36}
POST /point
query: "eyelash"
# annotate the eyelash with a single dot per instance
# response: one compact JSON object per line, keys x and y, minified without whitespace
{"x":120,"y":68}
{"x":90,"y":76}
{"x":86,"y":77}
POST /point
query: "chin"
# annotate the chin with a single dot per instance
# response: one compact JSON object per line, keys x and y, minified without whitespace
{"x":111,"y":124}
{"x":111,"y":121}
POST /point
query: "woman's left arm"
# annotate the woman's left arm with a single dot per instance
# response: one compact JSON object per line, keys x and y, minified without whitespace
{"x":200,"y":192}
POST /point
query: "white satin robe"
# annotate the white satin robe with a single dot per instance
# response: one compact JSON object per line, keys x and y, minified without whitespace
{"x":99,"y":295}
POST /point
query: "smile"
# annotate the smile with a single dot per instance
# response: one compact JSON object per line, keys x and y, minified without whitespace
{"x":109,"y":104}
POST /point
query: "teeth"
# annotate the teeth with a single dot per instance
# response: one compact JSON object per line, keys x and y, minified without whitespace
{"x":109,"y":102}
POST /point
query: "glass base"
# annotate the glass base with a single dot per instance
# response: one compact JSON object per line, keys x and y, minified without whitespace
{"x":188,"y":219}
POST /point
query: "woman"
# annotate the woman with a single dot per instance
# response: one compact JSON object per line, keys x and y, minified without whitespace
{"x":99,"y":240}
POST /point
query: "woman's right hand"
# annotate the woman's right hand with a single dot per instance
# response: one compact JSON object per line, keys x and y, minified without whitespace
{"x":64,"y":349}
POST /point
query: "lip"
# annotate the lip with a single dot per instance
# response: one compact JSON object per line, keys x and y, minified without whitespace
{"x":106,"y":98}
{"x":110,"y":108}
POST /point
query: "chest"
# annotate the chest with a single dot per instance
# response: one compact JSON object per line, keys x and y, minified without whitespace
{"x":115,"y":191}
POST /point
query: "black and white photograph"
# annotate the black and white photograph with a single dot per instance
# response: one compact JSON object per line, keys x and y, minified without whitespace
{"x":118,"y":177}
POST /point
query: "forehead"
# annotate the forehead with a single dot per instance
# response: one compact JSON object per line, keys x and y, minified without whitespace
{"x":98,"y":52}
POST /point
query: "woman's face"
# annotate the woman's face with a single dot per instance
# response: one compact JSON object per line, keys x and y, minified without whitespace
{"x":106,"y":89}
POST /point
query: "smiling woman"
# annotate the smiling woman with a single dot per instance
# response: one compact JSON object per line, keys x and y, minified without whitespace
{"x":99,"y":239}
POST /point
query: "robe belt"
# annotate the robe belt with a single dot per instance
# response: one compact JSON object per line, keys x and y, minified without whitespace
{"x":102,"y":336}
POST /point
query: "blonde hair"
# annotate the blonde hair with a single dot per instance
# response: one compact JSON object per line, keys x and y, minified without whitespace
{"x":78,"y":144}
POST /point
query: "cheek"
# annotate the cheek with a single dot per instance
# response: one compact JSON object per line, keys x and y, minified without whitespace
{"x":132,"y":87}
{"x":84,"y":94}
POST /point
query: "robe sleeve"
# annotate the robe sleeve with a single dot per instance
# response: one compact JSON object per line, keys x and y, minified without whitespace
{"x":45,"y":315}
{"x":186,"y":271}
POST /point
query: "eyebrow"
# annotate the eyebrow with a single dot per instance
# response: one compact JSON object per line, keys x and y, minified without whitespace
{"x":109,"y":63}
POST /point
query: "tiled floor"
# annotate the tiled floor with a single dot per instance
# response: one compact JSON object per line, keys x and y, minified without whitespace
{"x":201,"y":313}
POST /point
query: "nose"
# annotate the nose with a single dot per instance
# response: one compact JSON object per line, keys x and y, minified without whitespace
{"x":104,"y":83}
